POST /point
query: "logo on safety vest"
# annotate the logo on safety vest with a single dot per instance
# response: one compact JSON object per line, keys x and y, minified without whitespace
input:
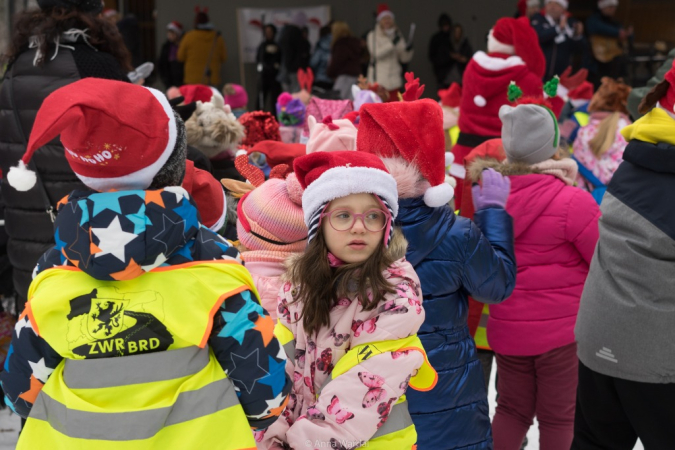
{"x":107,"y":322}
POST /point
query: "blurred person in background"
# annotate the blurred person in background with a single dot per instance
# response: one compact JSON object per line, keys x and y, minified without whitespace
{"x":320,"y":59}
{"x":345,"y":59}
{"x":608,"y":41}
{"x":388,"y":51}
{"x":268,"y":61}
{"x":203,"y":51}
{"x":440,"y":49}
{"x":560,"y":36}
{"x":170,"y":69}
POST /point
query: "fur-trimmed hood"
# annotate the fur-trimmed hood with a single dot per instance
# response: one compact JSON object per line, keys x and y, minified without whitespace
{"x":564,"y":169}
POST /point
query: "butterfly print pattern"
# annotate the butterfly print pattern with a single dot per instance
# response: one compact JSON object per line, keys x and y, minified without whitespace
{"x":374,"y":384}
{"x":359,"y":326}
{"x":383,"y":410}
{"x":341,"y":414}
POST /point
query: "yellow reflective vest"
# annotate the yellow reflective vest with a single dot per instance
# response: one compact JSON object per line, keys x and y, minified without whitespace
{"x":398,"y":432}
{"x":137,"y":372}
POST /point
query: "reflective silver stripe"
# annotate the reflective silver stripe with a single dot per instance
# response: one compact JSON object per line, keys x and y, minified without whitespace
{"x":134,"y":369}
{"x":399,"y":419}
{"x":127,"y":426}
{"x":289,"y":348}
{"x":483,"y":320}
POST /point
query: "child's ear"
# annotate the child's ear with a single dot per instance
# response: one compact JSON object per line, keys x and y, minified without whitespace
{"x":311,"y":122}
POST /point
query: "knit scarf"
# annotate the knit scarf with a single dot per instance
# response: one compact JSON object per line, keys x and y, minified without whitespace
{"x":656,"y":126}
{"x":565,"y":169}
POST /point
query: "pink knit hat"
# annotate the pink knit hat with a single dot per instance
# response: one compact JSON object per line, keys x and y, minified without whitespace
{"x":330,"y":136}
{"x":235,"y":96}
{"x":270,"y":217}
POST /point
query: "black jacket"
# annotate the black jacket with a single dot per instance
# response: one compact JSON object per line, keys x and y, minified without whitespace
{"x":27,"y":223}
{"x":557,"y":46}
{"x":440,"y":48}
{"x":170,"y":71}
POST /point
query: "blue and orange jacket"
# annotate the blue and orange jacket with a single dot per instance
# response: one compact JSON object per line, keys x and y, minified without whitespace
{"x":121,"y":236}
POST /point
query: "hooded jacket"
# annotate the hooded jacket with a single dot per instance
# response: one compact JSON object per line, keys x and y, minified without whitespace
{"x":625,"y":325}
{"x":454,"y":258}
{"x":555,"y":231}
{"x":121,"y":236}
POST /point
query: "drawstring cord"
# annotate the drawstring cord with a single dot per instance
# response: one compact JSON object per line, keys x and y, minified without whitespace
{"x":70,"y":36}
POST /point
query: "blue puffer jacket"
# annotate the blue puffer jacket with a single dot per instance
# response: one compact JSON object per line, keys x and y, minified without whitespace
{"x":454,"y":258}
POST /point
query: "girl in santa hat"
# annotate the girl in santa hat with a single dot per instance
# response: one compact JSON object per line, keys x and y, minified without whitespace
{"x":454,"y":258}
{"x":349,"y":314}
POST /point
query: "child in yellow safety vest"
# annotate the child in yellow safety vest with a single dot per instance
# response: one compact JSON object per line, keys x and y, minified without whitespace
{"x":142,"y":330}
{"x":349,"y":314}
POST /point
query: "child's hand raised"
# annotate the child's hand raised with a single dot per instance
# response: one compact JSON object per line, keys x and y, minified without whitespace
{"x":493,"y":193}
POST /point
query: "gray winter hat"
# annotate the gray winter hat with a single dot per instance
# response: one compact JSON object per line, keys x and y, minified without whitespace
{"x":529,"y":133}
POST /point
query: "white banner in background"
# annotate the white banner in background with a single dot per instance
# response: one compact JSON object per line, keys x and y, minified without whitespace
{"x":250,"y":22}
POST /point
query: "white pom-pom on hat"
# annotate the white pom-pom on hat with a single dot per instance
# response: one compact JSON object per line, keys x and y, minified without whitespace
{"x":449,"y":158}
{"x":440,"y":195}
{"x":21,"y":178}
{"x":480,"y":101}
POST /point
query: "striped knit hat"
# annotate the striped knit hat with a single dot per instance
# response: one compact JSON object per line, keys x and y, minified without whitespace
{"x":327,"y":176}
{"x":270,"y":217}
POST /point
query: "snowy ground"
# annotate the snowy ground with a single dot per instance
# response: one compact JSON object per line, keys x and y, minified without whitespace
{"x":9,"y":426}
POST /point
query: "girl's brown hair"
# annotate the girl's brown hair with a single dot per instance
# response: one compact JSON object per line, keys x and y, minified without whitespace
{"x":651,"y":99}
{"x":320,"y":285}
{"x":48,"y":25}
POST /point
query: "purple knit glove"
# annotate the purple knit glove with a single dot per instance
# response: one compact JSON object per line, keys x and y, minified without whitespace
{"x":494,"y":192}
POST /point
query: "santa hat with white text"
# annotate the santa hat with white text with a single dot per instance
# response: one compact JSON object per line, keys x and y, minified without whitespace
{"x":116,"y":135}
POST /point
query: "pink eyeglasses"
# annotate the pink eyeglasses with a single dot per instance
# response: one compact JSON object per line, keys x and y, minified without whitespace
{"x":343,"y":220}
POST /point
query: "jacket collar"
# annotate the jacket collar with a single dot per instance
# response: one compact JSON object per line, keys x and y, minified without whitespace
{"x":655,"y":157}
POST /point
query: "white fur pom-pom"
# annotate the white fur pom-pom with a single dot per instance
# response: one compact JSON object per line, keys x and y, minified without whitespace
{"x":21,"y":178}
{"x":439,"y":195}
{"x":449,"y":159}
{"x":241,"y":152}
{"x":480,"y":101}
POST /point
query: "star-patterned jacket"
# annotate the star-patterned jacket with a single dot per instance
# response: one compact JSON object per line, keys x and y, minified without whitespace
{"x":121,"y":235}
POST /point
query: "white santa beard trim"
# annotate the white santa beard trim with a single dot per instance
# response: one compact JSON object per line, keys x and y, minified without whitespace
{"x":140,"y":179}
{"x":497,"y":64}
{"x":343,"y":181}
{"x":494,"y":46}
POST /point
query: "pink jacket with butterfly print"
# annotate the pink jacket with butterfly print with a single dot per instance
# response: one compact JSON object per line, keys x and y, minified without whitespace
{"x":350,"y":408}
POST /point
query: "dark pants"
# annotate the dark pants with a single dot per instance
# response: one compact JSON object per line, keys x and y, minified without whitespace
{"x":613,"y":413}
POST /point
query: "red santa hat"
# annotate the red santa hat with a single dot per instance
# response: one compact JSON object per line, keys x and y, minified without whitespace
{"x":116,"y":135}
{"x":667,"y":102}
{"x":277,"y":152}
{"x":208,"y":194}
{"x":196,"y":93}
{"x":517,"y":37}
{"x":413,"y":131}
{"x":383,"y":11}
{"x":452,"y":96}
{"x":326,"y":176}
{"x":176,"y":27}
{"x":581,"y":94}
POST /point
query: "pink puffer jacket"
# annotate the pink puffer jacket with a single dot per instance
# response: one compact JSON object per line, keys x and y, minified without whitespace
{"x":266,"y":269}
{"x":555,"y":230}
